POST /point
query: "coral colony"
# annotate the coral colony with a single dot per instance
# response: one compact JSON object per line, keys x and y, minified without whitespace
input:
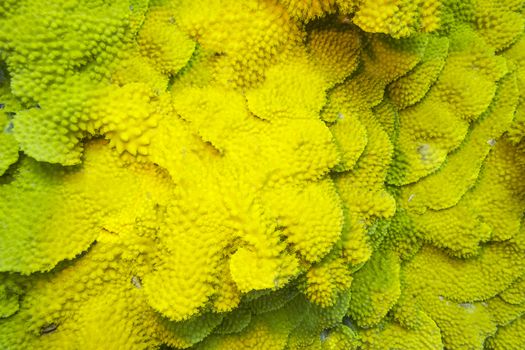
{"x":262,"y":174}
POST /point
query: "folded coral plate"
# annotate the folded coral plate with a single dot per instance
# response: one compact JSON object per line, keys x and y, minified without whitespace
{"x":262,"y":174}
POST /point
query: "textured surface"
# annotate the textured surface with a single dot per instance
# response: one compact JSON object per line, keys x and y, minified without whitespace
{"x":262,"y":174}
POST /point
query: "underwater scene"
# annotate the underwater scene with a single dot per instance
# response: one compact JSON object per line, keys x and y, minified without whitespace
{"x":262,"y":174}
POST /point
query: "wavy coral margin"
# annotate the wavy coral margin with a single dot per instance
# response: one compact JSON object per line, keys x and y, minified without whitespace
{"x":262,"y":174}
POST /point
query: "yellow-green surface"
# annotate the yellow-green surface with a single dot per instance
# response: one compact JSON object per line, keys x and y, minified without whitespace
{"x":262,"y":174}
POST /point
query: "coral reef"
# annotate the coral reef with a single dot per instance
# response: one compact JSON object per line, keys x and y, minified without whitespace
{"x":262,"y":174}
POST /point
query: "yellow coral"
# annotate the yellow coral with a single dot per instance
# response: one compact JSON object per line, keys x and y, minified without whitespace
{"x":262,"y":174}
{"x":375,"y":289}
{"x":335,"y":51}
{"x":398,"y":18}
{"x":327,"y":279}
{"x":509,"y":337}
{"x":161,"y":41}
{"x":8,"y":145}
{"x":392,"y":335}
{"x":247,"y":35}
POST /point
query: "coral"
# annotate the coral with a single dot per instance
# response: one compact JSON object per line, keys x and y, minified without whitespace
{"x":262,"y":174}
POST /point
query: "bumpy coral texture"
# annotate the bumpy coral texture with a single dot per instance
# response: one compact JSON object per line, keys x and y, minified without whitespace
{"x":262,"y":174}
